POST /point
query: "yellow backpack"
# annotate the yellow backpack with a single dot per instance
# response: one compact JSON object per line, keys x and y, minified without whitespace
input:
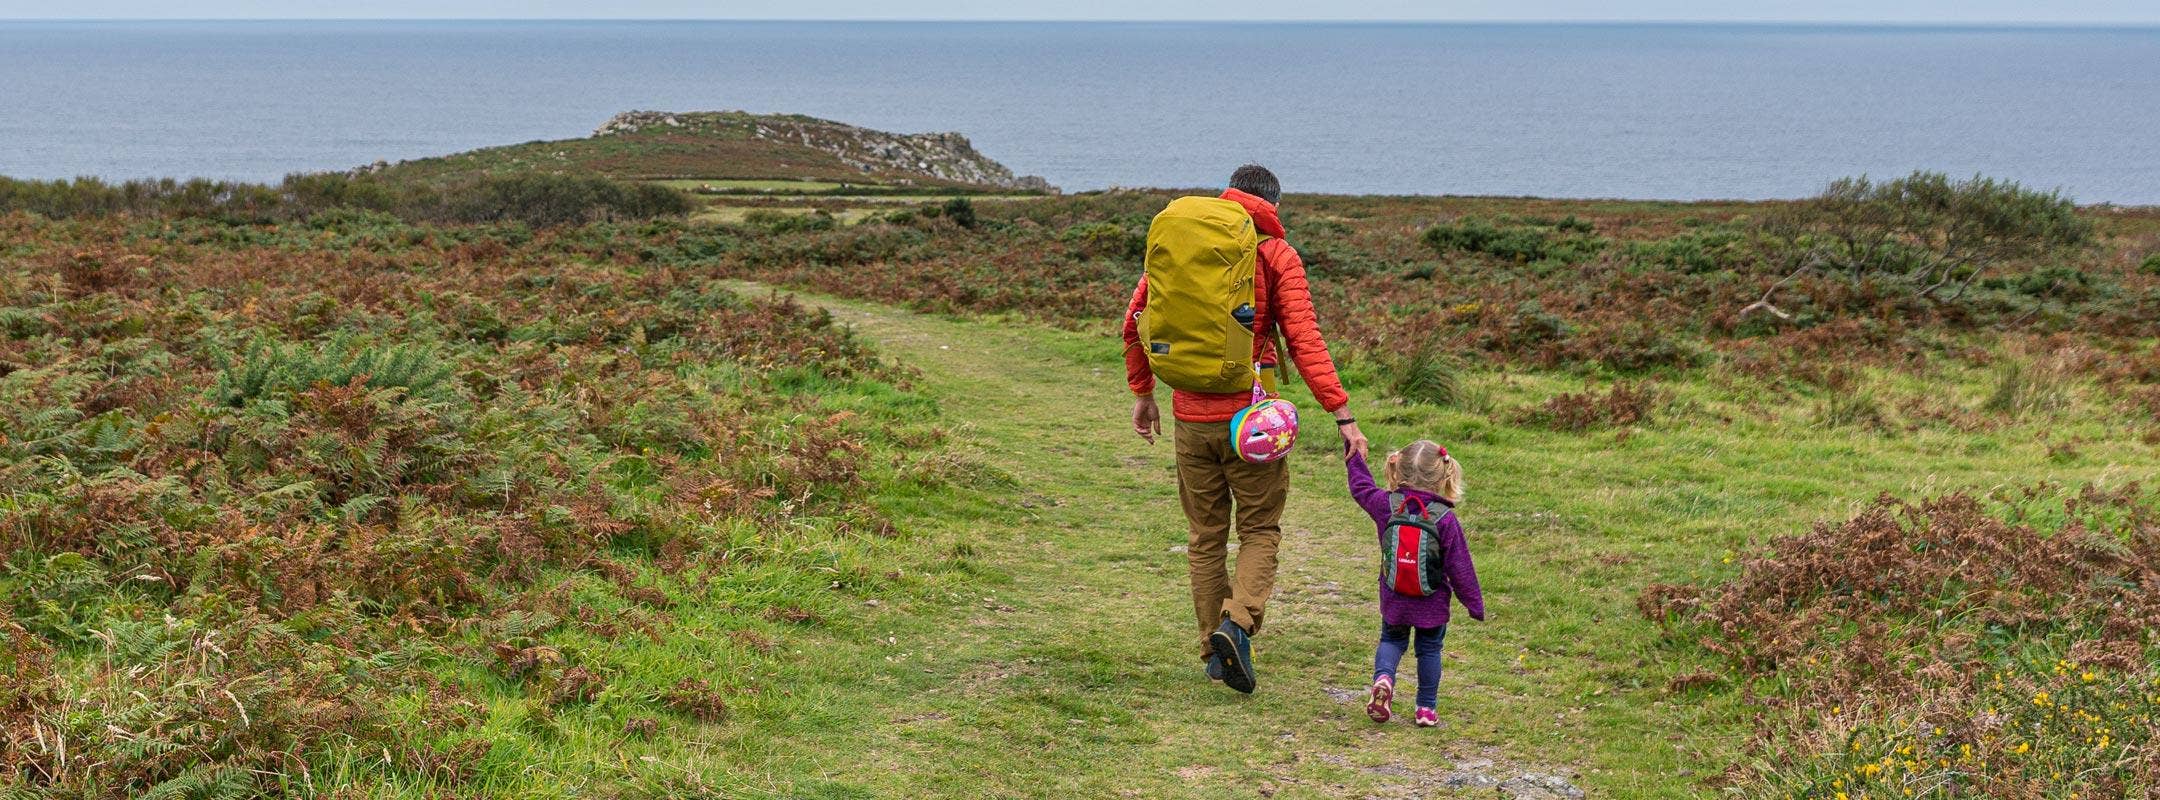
{"x":1202,"y":253}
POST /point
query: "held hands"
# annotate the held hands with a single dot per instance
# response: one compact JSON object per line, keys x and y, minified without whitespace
{"x":1146,"y":419}
{"x":1353,"y":439}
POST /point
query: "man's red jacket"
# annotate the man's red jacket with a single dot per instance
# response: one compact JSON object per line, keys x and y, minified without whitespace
{"x":1284,"y":302}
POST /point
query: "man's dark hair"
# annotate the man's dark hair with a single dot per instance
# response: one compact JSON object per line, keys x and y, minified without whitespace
{"x":1257,"y":181}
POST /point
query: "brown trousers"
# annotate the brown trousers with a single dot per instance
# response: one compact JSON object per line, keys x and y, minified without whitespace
{"x":1214,"y":485}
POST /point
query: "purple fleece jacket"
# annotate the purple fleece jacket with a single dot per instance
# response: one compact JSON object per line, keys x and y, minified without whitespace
{"x":1419,"y":612}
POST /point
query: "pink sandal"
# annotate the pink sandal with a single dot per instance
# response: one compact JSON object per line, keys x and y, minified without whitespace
{"x":1383,"y":693}
{"x":1427,"y":718}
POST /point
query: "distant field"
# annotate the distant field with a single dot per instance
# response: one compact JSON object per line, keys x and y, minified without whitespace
{"x":843,"y":208}
{"x":777,"y":186}
{"x":729,"y":214}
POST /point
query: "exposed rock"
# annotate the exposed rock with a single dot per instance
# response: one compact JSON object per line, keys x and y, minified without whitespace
{"x":945,"y":156}
{"x":1540,"y":786}
{"x":1469,"y":780}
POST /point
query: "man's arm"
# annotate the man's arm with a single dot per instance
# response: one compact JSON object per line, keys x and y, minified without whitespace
{"x":1137,"y":375}
{"x":1147,"y":418}
{"x":1293,"y":311}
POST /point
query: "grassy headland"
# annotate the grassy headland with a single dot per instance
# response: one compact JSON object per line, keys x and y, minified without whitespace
{"x":333,"y":491}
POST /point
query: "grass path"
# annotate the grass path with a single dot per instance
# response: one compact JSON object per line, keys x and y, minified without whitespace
{"x":1067,"y":668}
{"x":1076,"y":677}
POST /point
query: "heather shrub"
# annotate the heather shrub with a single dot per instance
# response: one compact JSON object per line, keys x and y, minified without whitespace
{"x":1105,"y":240}
{"x":1519,"y":243}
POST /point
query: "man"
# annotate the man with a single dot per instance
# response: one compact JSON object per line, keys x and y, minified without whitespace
{"x":1214,"y":484}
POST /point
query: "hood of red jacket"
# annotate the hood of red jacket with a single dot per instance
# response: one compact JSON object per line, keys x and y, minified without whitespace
{"x":1262,"y":211}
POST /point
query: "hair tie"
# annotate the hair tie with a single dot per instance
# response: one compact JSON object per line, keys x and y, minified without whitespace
{"x":1443,"y":450}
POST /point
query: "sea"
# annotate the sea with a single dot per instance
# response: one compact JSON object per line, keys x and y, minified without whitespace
{"x":1651,"y":111}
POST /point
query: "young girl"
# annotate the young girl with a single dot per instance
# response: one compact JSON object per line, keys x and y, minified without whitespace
{"x":1426,"y":476}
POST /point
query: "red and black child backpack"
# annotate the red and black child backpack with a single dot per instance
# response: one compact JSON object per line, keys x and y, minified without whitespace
{"x":1410,"y":547}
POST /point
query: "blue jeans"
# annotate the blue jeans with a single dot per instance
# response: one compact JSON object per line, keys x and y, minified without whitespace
{"x":1394,"y":639}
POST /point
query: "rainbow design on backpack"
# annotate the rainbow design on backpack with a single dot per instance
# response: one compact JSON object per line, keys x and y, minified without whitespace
{"x":1264,"y":431}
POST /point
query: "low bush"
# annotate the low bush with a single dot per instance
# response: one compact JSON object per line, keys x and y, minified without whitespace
{"x":961,"y":211}
{"x":1695,"y":251}
{"x":782,"y":222}
{"x":1933,"y":235}
{"x":1622,"y":405}
{"x":1105,"y":240}
{"x":1518,"y":243}
{"x":1958,"y":646}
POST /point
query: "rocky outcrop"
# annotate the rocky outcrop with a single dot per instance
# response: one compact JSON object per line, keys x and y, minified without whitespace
{"x":943,"y":156}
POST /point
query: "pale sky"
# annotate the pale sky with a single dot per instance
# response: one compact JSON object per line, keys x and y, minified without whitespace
{"x":2144,"y":12}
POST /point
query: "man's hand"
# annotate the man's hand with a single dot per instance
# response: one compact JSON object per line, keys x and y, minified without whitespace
{"x":1353,"y":440}
{"x":1146,"y":419}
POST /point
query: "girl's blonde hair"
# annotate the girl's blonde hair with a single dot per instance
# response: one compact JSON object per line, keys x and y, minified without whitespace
{"x":1425,"y":465}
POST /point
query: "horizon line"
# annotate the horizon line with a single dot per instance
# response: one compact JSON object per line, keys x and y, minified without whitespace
{"x":1870,"y":23}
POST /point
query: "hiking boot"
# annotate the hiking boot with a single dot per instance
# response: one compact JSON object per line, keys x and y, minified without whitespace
{"x":1214,"y":667}
{"x":1377,"y":703}
{"x":1234,"y":649}
{"x":1427,"y":717}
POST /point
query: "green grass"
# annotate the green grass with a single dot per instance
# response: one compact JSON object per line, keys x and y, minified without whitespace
{"x":1067,"y":658}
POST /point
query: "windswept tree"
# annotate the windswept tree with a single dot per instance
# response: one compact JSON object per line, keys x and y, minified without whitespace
{"x":1936,"y":235}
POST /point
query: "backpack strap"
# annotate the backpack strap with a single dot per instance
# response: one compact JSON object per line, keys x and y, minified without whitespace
{"x":1396,"y":501}
{"x":1262,"y":279}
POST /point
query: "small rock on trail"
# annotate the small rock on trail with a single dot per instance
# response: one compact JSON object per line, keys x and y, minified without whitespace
{"x":1540,"y":786}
